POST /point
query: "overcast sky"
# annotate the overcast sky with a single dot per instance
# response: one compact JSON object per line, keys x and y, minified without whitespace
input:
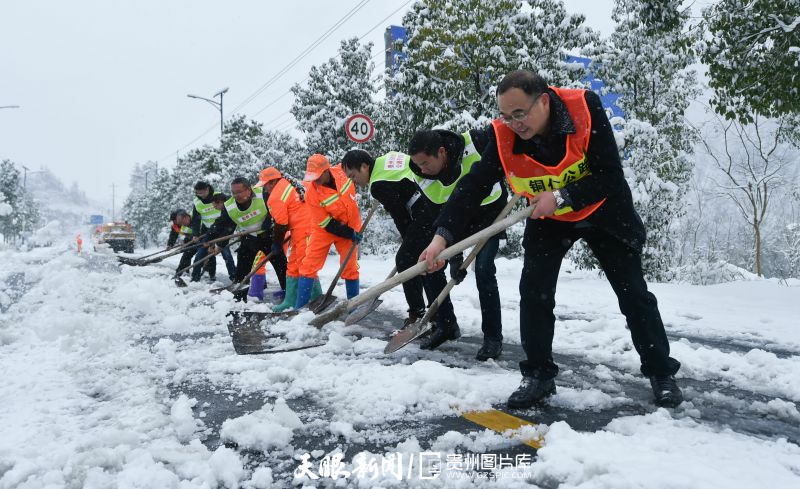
{"x":103,"y":84}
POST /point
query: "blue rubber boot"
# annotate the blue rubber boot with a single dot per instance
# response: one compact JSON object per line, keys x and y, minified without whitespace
{"x":352,"y":288}
{"x":304,"y":286}
{"x":316,"y":290}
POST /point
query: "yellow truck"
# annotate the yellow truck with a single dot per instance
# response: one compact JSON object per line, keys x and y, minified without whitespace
{"x":118,"y":235}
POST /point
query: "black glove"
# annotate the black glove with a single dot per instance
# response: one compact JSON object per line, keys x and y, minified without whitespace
{"x":455,"y":268}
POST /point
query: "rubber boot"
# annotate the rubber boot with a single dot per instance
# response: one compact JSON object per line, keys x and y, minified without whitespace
{"x":316,"y":290}
{"x":304,"y":286}
{"x":290,"y":298}
{"x":352,"y":288}
{"x":256,"y":290}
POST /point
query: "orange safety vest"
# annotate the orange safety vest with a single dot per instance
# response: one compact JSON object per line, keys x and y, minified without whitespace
{"x":529,"y":177}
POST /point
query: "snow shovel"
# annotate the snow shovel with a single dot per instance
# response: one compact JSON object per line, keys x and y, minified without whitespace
{"x":420,"y":267}
{"x":322,"y":302}
{"x":413,"y":331}
{"x":143,"y":260}
{"x":180,"y":282}
{"x":365,"y":310}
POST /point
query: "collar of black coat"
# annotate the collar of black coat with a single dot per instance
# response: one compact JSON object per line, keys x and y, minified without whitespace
{"x":560,"y":124}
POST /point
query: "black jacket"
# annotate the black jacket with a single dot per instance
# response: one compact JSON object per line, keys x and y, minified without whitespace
{"x":482,"y":216}
{"x":616,"y":216}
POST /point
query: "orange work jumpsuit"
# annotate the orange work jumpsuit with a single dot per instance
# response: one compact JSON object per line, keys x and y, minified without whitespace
{"x":324,"y":204}
{"x":287,"y":209}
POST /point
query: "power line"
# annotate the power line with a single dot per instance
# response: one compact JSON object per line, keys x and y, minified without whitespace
{"x":283,"y":71}
{"x":303,"y":54}
{"x":293,"y":63}
{"x":380,"y":53}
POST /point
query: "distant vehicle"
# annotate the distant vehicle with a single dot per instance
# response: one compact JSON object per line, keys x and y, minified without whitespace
{"x":96,"y":219}
{"x":118,"y":235}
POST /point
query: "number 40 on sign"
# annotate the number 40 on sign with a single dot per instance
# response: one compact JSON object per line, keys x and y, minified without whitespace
{"x":359,"y":128}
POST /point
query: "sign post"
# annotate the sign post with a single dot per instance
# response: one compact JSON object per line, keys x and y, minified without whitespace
{"x":359,"y":128}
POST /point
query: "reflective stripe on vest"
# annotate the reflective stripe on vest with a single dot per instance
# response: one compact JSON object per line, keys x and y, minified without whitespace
{"x":208,"y":214}
{"x":393,"y":167}
{"x":438,"y":192}
{"x":529,"y":177}
{"x":250,"y":219}
{"x":286,"y":192}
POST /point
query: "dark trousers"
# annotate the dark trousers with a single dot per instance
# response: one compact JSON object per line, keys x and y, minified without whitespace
{"x":416,"y":238}
{"x":249,"y":246}
{"x":186,"y":257}
{"x":488,"y":293}
{"x":545,"y":244}
{"x":210,"y":266}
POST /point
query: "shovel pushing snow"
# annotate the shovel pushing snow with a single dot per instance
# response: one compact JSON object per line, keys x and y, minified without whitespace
{"x":413,"y":331}
{"x":420,"y":268}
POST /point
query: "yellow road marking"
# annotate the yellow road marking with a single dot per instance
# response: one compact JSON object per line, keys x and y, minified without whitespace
{"x":500,"y":422}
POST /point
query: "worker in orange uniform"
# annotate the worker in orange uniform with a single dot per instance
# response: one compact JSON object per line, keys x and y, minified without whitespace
{"x":79,"y":242}
{"x":334,"y":216}
{"x":286,"y":203}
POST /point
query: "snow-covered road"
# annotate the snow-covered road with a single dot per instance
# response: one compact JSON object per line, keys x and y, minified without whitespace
{"x":114,"y":377}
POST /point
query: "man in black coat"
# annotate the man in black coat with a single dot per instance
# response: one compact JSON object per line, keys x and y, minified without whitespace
{"x":440,"y":159}
{"x":556,"y":145}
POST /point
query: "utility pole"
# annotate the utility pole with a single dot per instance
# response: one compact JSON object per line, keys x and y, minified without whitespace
{"x":113,"y":202}
{"x":217,"y":105}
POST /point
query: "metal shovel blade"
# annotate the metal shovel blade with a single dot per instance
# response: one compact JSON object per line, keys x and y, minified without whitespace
{"x":180,"y":282}
{"x":321,"y":303}
{"x":362,"y":311}
{"x":406,"y":336}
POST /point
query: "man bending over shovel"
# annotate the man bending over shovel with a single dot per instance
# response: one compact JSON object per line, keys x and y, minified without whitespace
{"x":391,"y":183}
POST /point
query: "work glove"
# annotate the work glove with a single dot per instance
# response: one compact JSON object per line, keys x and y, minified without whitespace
{"x":357,"y":237}
{"x":455,"y":268}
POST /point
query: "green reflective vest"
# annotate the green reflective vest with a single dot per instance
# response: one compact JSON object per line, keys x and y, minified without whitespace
{"x":250,"y":219}
{"x":438,"y":193}
{"x":393,"y":167}
{"x":185,"y":231}
{"x":207,"y":212}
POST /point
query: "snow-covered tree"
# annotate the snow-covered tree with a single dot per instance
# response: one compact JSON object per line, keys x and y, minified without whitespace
{"x":340,"y":87}
{"x":753,"y":57}
{"x":646,"y":61}
{"x":753,"y":166}
{"x":458,"y":50}
{"x":18,"y":211}
{"x":148,"y":211}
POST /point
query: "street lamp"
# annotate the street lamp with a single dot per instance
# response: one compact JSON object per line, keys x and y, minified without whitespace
{"x":217,"y":105}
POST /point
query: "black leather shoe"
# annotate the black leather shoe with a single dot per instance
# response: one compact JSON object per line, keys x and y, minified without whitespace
{"x":490,"y":349}
{"x":440,"y":334}
{"x":530,"y":391}
{"x":666,"y":391}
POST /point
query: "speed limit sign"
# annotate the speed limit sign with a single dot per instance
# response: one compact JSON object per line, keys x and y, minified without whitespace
{"x":359,"y":128}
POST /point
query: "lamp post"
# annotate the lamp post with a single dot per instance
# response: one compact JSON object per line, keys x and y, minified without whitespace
{"x":27,"y":170}
{"x":217,"y":105}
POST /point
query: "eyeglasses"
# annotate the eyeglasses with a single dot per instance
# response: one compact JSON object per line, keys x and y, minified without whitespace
{"x":519,"y":115}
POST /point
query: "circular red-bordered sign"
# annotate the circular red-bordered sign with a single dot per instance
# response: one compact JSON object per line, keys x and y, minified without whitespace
{"x":359,"y":128}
